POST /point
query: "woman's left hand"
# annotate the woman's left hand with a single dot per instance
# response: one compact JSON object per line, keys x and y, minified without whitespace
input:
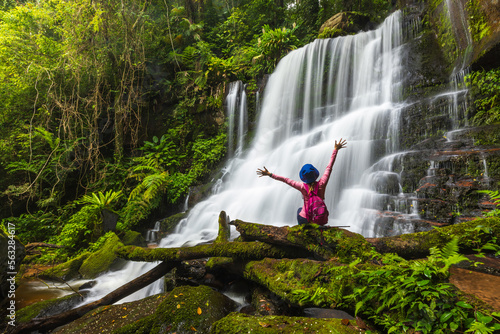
{"x":341,"y":144}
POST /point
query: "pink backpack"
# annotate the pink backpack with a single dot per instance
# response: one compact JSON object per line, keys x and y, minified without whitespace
{"x":316,"y":212}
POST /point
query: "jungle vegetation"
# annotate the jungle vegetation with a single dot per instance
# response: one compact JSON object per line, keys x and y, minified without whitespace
{"x":117,"y":105}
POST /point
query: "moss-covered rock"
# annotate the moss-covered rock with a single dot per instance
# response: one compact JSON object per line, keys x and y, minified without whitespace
{"x":112,"y":317}
{"x":243,"y":323}
{"x":298,"y":280}
{"x":169,"y":223}
{"x":134,"y":238}
{"x":47,"y":308}
{"x":66,"y":271}
{"x":344,"y":23}
{"x":185,"y":310}
{"x":103,"y":260}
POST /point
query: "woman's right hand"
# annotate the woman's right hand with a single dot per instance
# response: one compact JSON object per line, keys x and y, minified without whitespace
{"x":263,"y":172}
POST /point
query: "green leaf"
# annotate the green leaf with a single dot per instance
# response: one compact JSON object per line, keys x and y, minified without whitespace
{"x":423,"y":282}
{"x":358,"y":307}
{"x":445,"y":316}
{"x":463,"y":304}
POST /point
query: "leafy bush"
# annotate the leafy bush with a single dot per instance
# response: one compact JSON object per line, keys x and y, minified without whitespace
{"x":485,"y":89}
{"x":36,"y":227}
{"x":495,"y":197}
{"x":406,"y":295}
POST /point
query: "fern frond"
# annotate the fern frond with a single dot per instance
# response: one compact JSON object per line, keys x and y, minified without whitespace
{"x":450,"y":249}
{"x":494,"y":195}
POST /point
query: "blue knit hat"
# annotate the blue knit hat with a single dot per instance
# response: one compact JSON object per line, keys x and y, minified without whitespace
{"x":308,"y":173}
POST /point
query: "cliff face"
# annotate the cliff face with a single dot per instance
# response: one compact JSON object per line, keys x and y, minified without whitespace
{"x":448,"y":158}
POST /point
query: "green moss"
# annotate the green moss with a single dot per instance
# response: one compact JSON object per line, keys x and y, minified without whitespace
{"x":185,"y":310}
{"x":112,"y":317}
{"x":478,"y":24}
{"x":336,"y":243}
{"x":134,"y":238}
{"x":243,"y":323}
{"x":302,"y":282}
{"x":102,"y":260}
{"x":67,"y":270}
{"x":331,"y":33}
{"x":169,"y":223}
{"x":42,"y":309}
{"x":471,"y":235}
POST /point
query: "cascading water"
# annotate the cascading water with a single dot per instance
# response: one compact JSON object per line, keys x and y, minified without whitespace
{"x":348,"y":87}
{"x":236,"y":106}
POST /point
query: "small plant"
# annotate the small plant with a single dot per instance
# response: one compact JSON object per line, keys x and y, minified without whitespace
{"x":495,"y":197}
{"x":101,"y":201}
{"x":406,"y":296}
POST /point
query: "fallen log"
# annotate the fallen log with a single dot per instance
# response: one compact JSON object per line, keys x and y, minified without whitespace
{"x":238,"y":250}
{"x":471,"y":235}
{"x":30,"y":248}
{"x":49,"y":323}
{"x":323,"y":241}
{"x":332,"y":242}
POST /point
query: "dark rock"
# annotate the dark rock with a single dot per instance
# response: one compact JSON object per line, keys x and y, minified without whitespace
{"x":134,"y":238}
{"x":315,"y":312}
{"x":48,"y":308}
{"x":87,"y":285}
{"x":109,"y":220}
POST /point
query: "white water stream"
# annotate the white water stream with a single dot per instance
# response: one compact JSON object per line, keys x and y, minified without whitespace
{"x":348,"y":87}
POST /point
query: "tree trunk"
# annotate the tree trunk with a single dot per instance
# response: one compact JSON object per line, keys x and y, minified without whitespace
{"x":48,"y":323}
{"x":239,"y":250}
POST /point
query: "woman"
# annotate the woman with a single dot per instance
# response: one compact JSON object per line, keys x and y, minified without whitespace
{"x":308,"y":174}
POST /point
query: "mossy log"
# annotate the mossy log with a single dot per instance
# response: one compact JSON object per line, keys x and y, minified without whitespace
{"x":323,"y":241}
{"x":330,"y":242}
{"x":471,"y":235}
{"x":49,"y":323}
{"x":238,"y":250}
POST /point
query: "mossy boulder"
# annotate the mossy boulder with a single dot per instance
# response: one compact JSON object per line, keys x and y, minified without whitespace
{"x":47,"y":308}
{"x":169,"y":223}
{"x":134,"y":238}
{"x":104,"y":259}
{"x":297,"y":280}
{"x":12,"y":252}
{"x":243,"y":323}
{"x":185,"y":310}
{"x":66,"y":271}
{"x":112,"y":317}
{"x":344,"y":23}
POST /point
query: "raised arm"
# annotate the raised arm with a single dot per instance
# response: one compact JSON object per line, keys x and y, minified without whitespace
{"x":291,"y":183}
{"x":326,"y":176}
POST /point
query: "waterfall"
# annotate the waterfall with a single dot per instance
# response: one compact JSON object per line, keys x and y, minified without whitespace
{"x":348,"y":87}
{"x":236,"y":106}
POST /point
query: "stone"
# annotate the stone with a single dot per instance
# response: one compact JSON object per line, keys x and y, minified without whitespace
{"x":185,"y":310}
{"x":103,"y":260}
{"x":344,"y":23}
{"x":134,"y":238}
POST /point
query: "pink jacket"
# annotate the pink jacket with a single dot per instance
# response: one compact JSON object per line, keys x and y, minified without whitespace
{"x":304,"y":188}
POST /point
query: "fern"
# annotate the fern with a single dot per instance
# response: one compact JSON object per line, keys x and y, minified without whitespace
{"x":494,"y":195}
